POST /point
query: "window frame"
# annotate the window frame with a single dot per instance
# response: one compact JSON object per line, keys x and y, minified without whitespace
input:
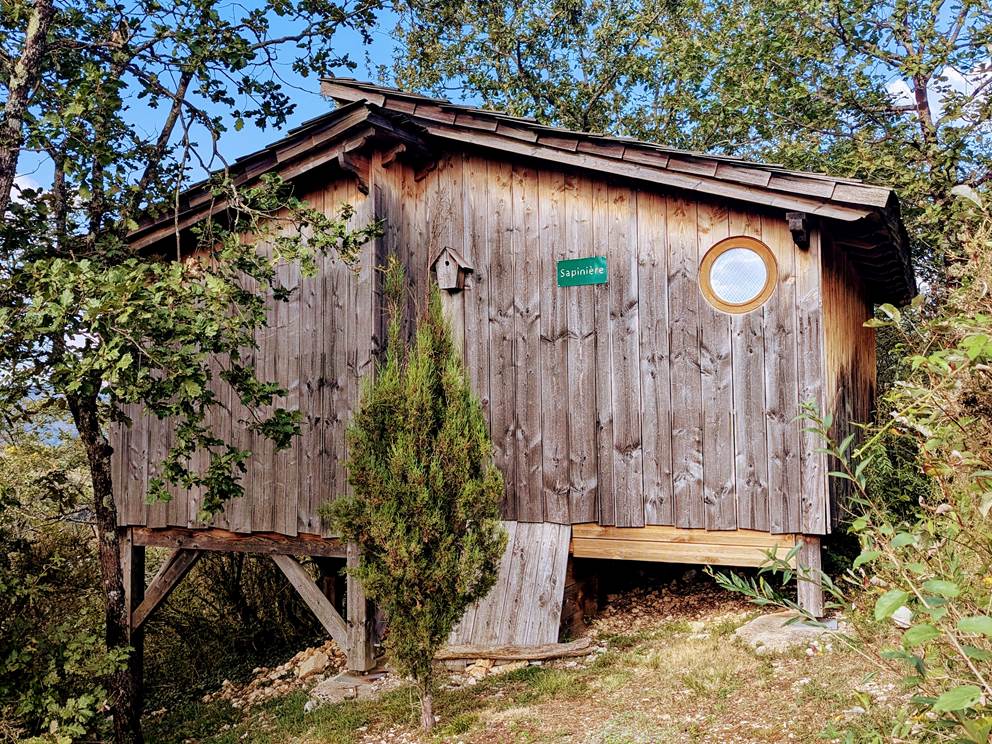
{"x":717,"y":250}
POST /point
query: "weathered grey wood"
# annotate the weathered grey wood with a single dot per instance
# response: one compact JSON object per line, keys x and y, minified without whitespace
{"x":524,"y":607}
{"x":157,"y":512}
{"x":220,"y":422}
{"x":814,"y":506}
{"x":675,"y":180}
{"x":781,"y":386}
{"x":554,"y":349}
{"x":628,"y":479}
{"x":334,"y":383}
{"x":480,"y":619}
{"x":241,"y":509}
{"x":133,"y":570}
{"x":170,"y":573}
{"x":519,"y":609}
{"x":716,"y":373}
{"x":501,"y":334}
{"x":361,"y":637}
{"x":232,"y":542}
{"x":750,"y":441}
{"x":477,"y":290}
{"x":511,"y":588}
{"x":629,"y":403}
{"x":683,"y":299}
{"x":526,"y":247}
{"x":581,"y":351}
{"x":136,"y":472}
{"x":260,"y":464}
{"x":310,"y":593}
{"x":656,"y":393}
{"x":579,"y":647}
{"x":810,"y":579}
{"x":311,"y":368}
{"x":606,"y":486}
{"x":132,"y":560}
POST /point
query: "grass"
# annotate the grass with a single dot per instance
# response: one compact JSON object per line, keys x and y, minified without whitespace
{"x":664,"y":684}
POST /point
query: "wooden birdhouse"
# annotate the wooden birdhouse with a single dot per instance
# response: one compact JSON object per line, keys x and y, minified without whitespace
{"x":451,"y":267}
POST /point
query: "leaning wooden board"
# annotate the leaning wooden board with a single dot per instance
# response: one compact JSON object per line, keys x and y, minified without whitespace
{"x":524,"y":607}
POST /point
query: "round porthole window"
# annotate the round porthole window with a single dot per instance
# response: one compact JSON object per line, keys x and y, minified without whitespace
{"x":738,"y":274}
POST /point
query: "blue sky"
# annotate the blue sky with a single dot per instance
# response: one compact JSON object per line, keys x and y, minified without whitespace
{"x":34,"y":170}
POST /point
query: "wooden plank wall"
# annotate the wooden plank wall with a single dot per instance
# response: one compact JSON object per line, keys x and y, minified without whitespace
{"x":318,"y":346}
{"x":634,"y":402}
{"x":628,"y":404}
{"x":850,"y":355}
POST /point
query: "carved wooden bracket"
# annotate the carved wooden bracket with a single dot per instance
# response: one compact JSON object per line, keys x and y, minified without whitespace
{"x":360,"y":166}
{"x":799,"y":227}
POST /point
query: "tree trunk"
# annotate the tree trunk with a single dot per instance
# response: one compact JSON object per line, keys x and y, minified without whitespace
{"x":426,"y":710}
{"x":124,"y":684}
{"x":24,"y":77}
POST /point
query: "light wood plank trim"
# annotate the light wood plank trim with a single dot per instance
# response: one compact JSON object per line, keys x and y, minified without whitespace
{"x":671,"y":552}
{"x":310,"y":593}
{"x":668,"y":534}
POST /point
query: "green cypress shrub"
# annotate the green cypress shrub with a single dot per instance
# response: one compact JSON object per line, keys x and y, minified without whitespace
{"x":426,"y":505}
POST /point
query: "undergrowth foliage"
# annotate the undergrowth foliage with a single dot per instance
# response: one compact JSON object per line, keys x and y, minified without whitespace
{"x":926,"y":572}
{"x":426,"y":505}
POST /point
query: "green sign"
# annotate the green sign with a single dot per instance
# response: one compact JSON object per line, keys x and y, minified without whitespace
{"x":575,"y":272}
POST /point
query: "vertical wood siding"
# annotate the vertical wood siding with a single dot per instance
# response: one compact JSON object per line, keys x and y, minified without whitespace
{"x":634,"y":402}
{"x":318,"y":346}
{"x":849,"y":356}
{"x":631,"y":403}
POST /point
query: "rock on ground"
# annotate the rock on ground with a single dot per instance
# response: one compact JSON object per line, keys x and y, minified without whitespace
{"x":774,"y":634}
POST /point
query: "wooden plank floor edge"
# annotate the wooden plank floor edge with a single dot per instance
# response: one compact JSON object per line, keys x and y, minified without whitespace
{"x":665,"y":533}
{"x":662,"y":552}
{"x":665,"y":544}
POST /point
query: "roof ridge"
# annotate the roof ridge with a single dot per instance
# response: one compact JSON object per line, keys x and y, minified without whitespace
{"x":623,"y":139}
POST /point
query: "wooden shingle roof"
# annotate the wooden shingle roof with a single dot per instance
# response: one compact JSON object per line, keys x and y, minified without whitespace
{"x":865,"y":218}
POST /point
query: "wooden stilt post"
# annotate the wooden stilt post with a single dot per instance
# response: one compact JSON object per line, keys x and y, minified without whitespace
{"x":133,"y":569}
{"x":810,"y":585}
{"x":361,"y":655}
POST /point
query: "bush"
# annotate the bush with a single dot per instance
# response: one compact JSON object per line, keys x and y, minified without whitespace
{"x":426,"y":505}
{"x":52,"y":655}
{"x":231,"y":614}
{"x":923,"y":492}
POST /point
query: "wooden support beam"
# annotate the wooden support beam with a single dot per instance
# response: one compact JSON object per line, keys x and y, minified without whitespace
{"x":389,"y":156}
{"x":267,"y":543}
{"x":361,"y":654}
{"x":580,"y":647}
{"x":314,"y":598}
{"x":171,"y":572}
{"x":132,"y":559}
{"x":810,"y":582}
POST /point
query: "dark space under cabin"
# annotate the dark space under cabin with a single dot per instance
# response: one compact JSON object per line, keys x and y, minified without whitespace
{"x":642,"y":397}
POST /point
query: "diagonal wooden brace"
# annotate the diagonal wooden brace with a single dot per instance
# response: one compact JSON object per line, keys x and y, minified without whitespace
{"x":172,"y":571}
{"x":333,"y":623}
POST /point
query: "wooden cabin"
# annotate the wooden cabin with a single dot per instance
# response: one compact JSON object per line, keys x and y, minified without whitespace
{"x":641,"y":324}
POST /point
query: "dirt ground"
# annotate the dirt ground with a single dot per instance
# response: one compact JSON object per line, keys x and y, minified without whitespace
{"x":667,"y":668}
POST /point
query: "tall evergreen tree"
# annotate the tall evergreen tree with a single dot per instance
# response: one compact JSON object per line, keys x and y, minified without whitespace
{"x":426,"y":504}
